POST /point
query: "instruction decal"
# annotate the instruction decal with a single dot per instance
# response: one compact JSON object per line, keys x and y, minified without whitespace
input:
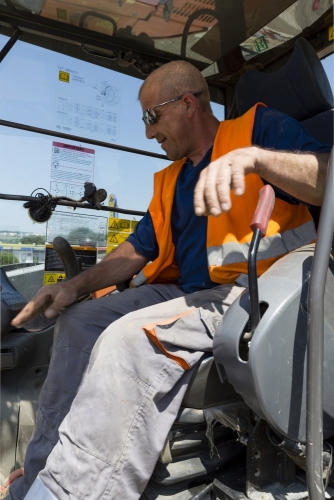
{"x":260,"y":44}
{"x":87,"y":106}
{"x":71,"y":163}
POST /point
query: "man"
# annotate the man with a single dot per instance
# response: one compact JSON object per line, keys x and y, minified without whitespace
{"x":117,"y":402}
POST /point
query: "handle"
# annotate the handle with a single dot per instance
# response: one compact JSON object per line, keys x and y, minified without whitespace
{"x":263,"y":210}
{"x":259,"y":226}
{"x":67,"y":255}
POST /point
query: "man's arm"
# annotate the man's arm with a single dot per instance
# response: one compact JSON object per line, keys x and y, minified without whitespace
{"x":118,"y":266}
{"x":302,"y":175}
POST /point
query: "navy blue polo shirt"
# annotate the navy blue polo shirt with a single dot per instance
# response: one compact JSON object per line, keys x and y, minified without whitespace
{"x":272,"y":129}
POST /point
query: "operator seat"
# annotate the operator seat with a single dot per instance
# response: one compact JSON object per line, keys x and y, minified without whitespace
{"x":271,"y":375}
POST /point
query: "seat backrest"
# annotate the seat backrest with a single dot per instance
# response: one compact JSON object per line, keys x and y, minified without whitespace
{"x":299,"y":89}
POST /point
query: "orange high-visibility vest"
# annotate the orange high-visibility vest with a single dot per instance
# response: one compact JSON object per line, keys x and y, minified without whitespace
{"x":229,"y":235}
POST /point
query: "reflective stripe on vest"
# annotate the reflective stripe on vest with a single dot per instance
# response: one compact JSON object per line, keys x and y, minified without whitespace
{"x":269,"y":247}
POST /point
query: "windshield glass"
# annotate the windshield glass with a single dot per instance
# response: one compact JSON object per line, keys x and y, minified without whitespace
{"x":51,"y":93}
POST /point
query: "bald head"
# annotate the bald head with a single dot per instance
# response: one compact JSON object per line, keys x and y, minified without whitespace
{"x":176,"y":78}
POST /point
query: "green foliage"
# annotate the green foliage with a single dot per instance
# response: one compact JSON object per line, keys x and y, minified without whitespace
{"x":8,"y":258}
{"x":38,"y":239}
{"x":80,"y":235}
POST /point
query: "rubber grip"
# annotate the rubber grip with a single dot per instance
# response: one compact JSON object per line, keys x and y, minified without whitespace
{"x":263,"y":210}
{"x":67,"y":255}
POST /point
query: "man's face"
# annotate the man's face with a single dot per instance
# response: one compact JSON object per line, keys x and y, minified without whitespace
{"x":170,"y":127}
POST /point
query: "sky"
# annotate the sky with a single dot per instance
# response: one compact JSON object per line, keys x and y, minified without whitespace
{"x":328,"y":64}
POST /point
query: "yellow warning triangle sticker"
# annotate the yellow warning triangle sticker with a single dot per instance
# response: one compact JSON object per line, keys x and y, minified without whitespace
{"x":114,"y":225}
{"x":51,"y":279}
{"x":113,"y":239}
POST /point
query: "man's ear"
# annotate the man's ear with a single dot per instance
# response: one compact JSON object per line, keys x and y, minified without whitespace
{"x":191,"y":103}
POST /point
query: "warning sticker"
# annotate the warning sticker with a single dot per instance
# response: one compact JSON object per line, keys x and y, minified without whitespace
{"x":116,"y":238}
{"x":64,"y":76}
{"x":118,"y":231}
{"x":331,"y":33}
{"x":121,"y":225}
{"x":52,"y":278}
{"x":110,"y":248}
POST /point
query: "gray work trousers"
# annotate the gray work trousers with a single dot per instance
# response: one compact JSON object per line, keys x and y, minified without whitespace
{"x":110,"y":399}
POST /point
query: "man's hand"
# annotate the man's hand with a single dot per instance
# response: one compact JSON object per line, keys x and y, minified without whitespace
{"x":212,"y":192}
{"x":50,"y":299}
{"x":302,"y":175}
{"x":117,"y":266}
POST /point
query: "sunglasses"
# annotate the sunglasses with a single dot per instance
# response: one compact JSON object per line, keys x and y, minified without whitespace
{"x":149,"y":117}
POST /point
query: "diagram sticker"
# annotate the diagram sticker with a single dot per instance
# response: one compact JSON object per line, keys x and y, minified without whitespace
{"x":87,"y":105}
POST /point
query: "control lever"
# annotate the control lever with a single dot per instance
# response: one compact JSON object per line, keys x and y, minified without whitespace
{"x":259,"y":226}
{"x":71,"y":264}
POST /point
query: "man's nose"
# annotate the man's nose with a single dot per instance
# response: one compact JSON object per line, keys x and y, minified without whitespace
{"x":150,"y":131}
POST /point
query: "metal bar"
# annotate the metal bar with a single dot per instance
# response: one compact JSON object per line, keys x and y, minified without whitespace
{"x":252,"y":280}
{"x":75,"y":204}
{"x":11,"y":42}
{"x":71,"y":137}
{"x":315,"y":346}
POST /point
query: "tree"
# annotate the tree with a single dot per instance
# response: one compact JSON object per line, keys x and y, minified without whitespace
{"x":8,"y":258}
{"x":38,"y":239}
{"x":80,"y":235}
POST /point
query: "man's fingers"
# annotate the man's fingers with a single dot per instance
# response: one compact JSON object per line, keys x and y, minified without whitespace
{"x":223,"y":187}
{"x":212,"y":197}
{"x":57,"y":303}
{"x":28,"y":313}
{"x":238,"y":180}
{"x":212,"y":193}
{"x":41,"y":303}
{"x":229,"y":178}
{"x":49,"y":300}
{"x":199,"y":202}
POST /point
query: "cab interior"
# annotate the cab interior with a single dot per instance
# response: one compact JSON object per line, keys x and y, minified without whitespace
{"x":242,"y":428}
